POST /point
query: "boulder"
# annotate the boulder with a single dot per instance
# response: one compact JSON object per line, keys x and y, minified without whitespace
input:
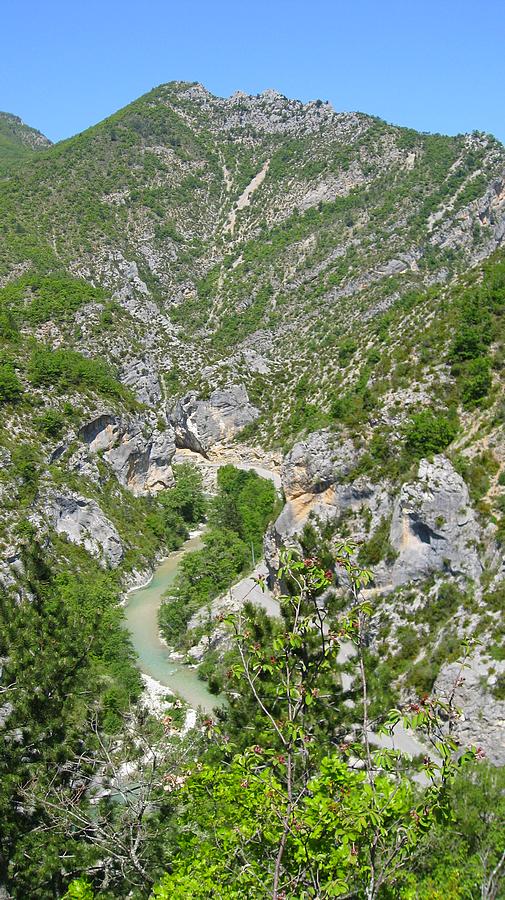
{"x":200,"y":424}
{"x":84,"y":523}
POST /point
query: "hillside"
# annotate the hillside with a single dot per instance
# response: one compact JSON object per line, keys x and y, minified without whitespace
{"x":17,"y":140}
{"x":231,"y":226}
{"x":318,"y":259}
{"x":254,"y":279}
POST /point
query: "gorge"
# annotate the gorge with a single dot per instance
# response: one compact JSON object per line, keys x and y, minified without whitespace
{"x":287,"y":322}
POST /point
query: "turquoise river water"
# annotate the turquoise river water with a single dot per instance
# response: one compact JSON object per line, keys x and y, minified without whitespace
{"x":141,"y":612}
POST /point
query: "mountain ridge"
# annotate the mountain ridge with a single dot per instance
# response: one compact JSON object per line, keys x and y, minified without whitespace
{"x":272,"y":276}
{"x":239,"y":95}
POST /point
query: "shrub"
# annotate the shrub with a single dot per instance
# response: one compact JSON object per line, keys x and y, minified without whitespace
{"x":67,"y":368}
{"x":50,"y":297}
{"x":428,"y":433}
{"x":25,"y":463}
{"x":51,"y":422}
{"x":10,"y":386}
{"x":477,"y":382}
{"x":467,"y":343}
{"x":378,"y":547}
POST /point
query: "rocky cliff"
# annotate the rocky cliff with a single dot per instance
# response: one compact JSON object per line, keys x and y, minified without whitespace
{"x":430,"y":551}
{"x":197,"y":271}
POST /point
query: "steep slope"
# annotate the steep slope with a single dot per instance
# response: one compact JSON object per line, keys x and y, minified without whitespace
{"x":17,"y":140}
{"x":249,"y":225}
{"x":197,"y":271}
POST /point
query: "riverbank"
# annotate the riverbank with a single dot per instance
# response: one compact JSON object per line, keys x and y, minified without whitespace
{"x":141,"y":615}
{"x":165,"y":673}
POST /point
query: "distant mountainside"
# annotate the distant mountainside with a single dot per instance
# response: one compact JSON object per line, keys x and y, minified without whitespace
{"x":274,"y":277}
{"x":249,"y":225}
{"x":16,"y":138}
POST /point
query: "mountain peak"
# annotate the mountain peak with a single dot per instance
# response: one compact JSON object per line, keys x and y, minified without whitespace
{"x":14,"y":130}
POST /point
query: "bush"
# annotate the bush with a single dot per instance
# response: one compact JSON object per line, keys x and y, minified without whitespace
{"x":50,"y":297}
{"x":67,"y":368}
{"x":477,"y":382}
{"x":245,"y":504}
{"x":428,"y":433}
{"x":10,"y":386}
{"x":467,"y":343}
{"x":51,"y":422}
{"x":378,"y":547}
{"x":25,"y":463}
{"x":186,"y":499}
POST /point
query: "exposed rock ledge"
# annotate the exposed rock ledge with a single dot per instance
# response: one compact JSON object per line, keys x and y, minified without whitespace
{"x":84,"y":523}
{"x":433,"y":527}
{"x":139,"y":454}
{"x":200,"y":424}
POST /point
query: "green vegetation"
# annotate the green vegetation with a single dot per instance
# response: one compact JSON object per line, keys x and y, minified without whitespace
{"x":10,"y":385}
{"x":66,"y":369}
{"x":378,"y":547}
{"x":182,"y":508}
{"x":428,"y":433}
{"x":459,"y":861}
{"x":362,"y":314}
{"x":51,"y":423}
{"x":288,"y":811}
{"x":238,"y":517}
{"x":66,"y":659}
{"x":37,"y":299}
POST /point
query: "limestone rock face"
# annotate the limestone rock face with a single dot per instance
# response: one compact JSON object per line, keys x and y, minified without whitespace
{"x":100,"y":433}
{"x":199,"y":424}
{"x":142,"y":377}
{"x":84,"y":523}
{"x":482,"y":722}
{"x":434,"y":527}
{"x":311,"y":474}
{"x":313,"y":465}
{"x":141,"y":463}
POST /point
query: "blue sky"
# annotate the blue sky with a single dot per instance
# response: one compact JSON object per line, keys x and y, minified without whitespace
{"x":435,"y":66}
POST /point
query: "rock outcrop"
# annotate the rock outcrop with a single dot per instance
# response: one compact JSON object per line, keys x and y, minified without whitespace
{"x":433,"y":525}
{"x":200,"y":424}
{"x":315,"y":464}
{"x":139,"y":455}
{"x":482,"y":719}
{"x":312,"y":479}
{"x":434,"y":528}
{"x":84,"y":523}
{"x":141,"y":376}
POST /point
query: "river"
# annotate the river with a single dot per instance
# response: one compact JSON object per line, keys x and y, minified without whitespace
{"x":142,"y":605}
{"x":141,"y":612}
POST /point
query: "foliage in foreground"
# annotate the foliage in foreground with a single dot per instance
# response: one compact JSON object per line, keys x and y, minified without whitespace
{"x":63,"y":652}
{"x":299,"y":813}
{"x":294,"y":817}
